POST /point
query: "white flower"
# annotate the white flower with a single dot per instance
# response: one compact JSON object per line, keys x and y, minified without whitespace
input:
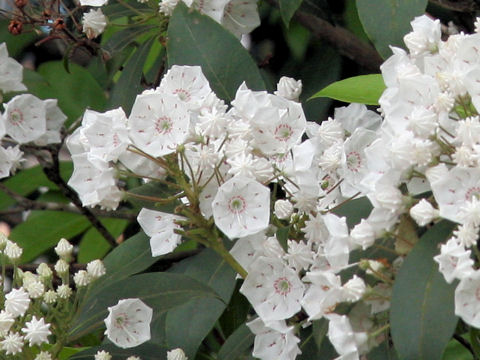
{"x":128,"y":323}
{"x":25,"y":117}
{"x":133,"y":358}
{"x":176,"y":354}
{"x":467,"y":302}
{"x":12,"y":343}
{"x":240,"y":16}
{"x":167,"y":6}
{"x":241,"y":207}
{"x":345,"y":341}
{"x":6,"y":322}
{"x":94,"y":23}
{"x":103,"y":355}
{"x":93,"y":2}
{"x":283,"y":209}
{"x":36,"y":331}
{"x":454,"y":261}
{"x":11,"y":72}
{"x":187,"y":84}
{"x":423,"y":212}
{"x":64,"y":248}
{"x":299,"y":255}
{"x":96,"y":269}
{"x":159,"y":122}
{"x":34,"y":288}
{"x":289,"y":88}
{"x":425,"y":36}
{"x":161,"y":228}
{"x":10,"y":159}
{"x":273,"y":289}
{"x":275,"y":341}
{"x":55,"y":119}
{"x":354,"y":289}
{"x":17,"y":302}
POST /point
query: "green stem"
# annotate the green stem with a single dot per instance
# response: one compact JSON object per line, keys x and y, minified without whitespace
{"x":217,"y":245}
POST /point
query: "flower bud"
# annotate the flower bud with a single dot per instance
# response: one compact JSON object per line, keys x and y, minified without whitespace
{"x":423,"y":212}
{"x":64,"y":249}
{"x":81,"y":278}
{"x":283,"y":209}
{"x":50,"y":297}
{"x":96,"y":269}
{"x":44,"y":271}
{"x":289,"y":88}
{"x":13,"y":251}
{"x":61,"y":267}
{"x":176,"y":354}
{"x":64,"y":291}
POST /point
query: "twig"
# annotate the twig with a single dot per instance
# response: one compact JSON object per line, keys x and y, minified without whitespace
{"x":52,"y":171}
{"x":465,"y":6}
{"x":347,"y":43}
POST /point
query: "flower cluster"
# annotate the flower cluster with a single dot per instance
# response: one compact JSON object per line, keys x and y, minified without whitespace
{"x":26,"y":119}
{"x":37,"y":297}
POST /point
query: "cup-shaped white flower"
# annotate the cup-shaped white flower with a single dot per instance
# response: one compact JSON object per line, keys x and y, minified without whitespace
{"x":25,"y":117}
{"x":160,"y":227}
{"x":273,"y":289}
{"x":241,"y":207}
{"x":158,"y":123}
{"x":128,"y":323}
{"x":11,"y":72}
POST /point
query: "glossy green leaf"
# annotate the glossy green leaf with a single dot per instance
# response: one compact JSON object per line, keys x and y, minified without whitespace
{"x":68,"y":352}
{"x":161,"y":291}
{"x":387,"y":22}
{"x":456,"y":351}
{"x":123,"y":38}
{"x":236,"y":312}
{"x":209,"y":268}
{"x":288,"y":8}
{"x":43,"y":229}
{"x":363,"y":89}
{"x":422,"y":314}
{"x":196,"y":39}
{"x":237,"y":344}
{"x":93,"y":245}
{"x":129,"y":84}
{"x":27,"y":181}
{"x":75,"y":91}
{"x":114,"y":11}
{"x":186,"y":326}
{"x":354,"y":210}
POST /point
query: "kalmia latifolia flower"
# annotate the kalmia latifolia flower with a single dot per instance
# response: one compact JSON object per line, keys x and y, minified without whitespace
{"x":128,"y":323}
{"x":241,"y":207}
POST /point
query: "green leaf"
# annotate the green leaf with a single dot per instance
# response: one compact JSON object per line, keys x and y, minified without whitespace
{"x":236,"y":312}
{"x":43,"y":229}
{"x":387,"y":22}
{"x":129,"y":84}
{"x":75,"y":91}
{"x":363,"y":89}
{"x":114,"y":11}
{"x":354,"y":210}
{"x":123,"y":38}
{"x":156,"y":190}
{"x":209,"y":268}
{"x":16,"y":43}
{"x":287,"y":9}
{"x":93,"y":245}
{"x":456,"y":351}
{"x":237,"y":344}
{"x":282,"y":236}
{"x":422,"y":314}
{"x":67,"y":352}
{"x":196,"y":39}
{"x":146,"y":351}
{"x":187,"y":325}
{"x":27,"y":181}
{"x":161,"y":291}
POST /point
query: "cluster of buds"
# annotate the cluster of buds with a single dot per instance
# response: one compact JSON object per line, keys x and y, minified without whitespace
{"x":38,"y":308}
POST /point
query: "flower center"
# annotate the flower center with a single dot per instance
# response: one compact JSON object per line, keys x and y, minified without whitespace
{"x":473,"y":191}
{"x":354,"y":161}
{"x":16,"y":116}
{"x":164,"y":125}
{"x":237,"y":204}
{"x":283,"y":132}
{"x":183,"y":94}
{"x":121,"y":321}
{"x":282,"y":286}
